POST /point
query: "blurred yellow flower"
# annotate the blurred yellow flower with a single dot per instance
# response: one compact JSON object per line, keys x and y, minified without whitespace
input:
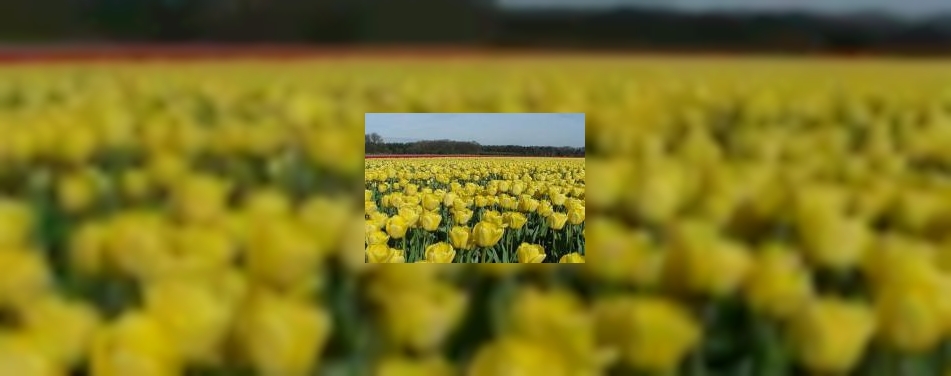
{"x":651,"y":334}
{"x":421,"y":319}
{"x":19,"y":356}
{"x":194,"y":318}
{"x":830,"y":335}
{"x":16,"y":223}
{"x":779,"y":283}
{"x":61,"y":329}
{"x":136,"y":344}
{"x":25,"y":275}
{"x":282,"y":337}
{"x":514,"y":356}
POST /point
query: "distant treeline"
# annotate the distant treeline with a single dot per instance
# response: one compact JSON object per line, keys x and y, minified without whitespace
{"x":447,"y":147}
{"x":461,"y":23}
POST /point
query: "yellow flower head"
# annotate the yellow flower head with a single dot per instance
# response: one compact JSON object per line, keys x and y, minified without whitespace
{"x":25,"y":275}
{"x":779,"y":283}
{"x":572,"y":258}
{"x":16,"y":223}
{"x":377,"y":237}
{"x":556,"y":221}
{"x":440,"y":252}
{"x":652,"y":334}
{"x":200,"y":198}
{"x":830,"y":335}
{"x":429,"y":221}
{"x":515,"y":356}
{"x":430,"y":201}
{"x":576,"y":215}
{"x":487,"y":234}
{"x":397,"y":366}
{"x":197,"y":335}
{"x":530,"y":253}
{"x":493,"y":217}
{"x":462,"y":215}
{"x":514,"y":220}
{"x":423,"y":318}
{"x":460,"y":237}
{"x":396,"y":226}
{"x":20,"y":356}
{"x":61,"y":329}
{"x":136,"y":344}
{"x":279,"y":336}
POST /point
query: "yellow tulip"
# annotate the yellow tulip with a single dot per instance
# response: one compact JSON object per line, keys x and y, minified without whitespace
{"x":514,"y":356}
{"x":651,"y":334}
{"x":530,"y":253}
{"x":78,"y":191}
{"x":556,"y":221}
{"x":377,"y":237}
{"x":136,"y":344}
{"x":61,"y":329}
{"x":266,"y":204}
{"x":396,"y":226}
{"x":430,"y":201}
{"x":514,"y":220}
{"x":701,"y":261}
{"x":440,"y":252}
{"x":487,"y":234}
{"x":198,"y":334}
{"x":493,"y":217}
{"x":200,"y":198}
{"x":460,"y":237}
{"x":20,"y":356}
{"x":429,"y":221}
{"x":779,"y":283}
{"x":16,"y":223}
{"x":558,"y":318}
{"x":421,"y":319}
{"x":135,"y":184}
{"x":281,"y":336}
{"x":25,"y":275}
{"x":462,"y":215}
{"x":830,"y":335}
{"x":911,"y":318}
{"x":576,"y":215}
{"x":399,"y":366}
{"x":545,"y":210}
{"x":623,"y":256}
{"x":281,"y":253}
{"x":87,"y":248}
{"x":572,"y":258}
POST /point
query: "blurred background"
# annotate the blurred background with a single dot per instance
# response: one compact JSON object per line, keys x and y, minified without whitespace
{"x":849,"y":26}
{"x":227,"y":190}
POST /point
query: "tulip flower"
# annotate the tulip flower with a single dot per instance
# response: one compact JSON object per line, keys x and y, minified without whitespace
{"x":440,"y":252}
{"x":530,"y":253}
{"x":487,"y":234}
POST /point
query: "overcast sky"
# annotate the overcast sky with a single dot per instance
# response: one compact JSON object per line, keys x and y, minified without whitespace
{"x":903,"y":7}
{"x":486,"y":129}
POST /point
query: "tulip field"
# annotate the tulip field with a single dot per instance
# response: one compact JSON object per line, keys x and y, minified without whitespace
{"x":748,"y":216}
{"x":443,"y":210}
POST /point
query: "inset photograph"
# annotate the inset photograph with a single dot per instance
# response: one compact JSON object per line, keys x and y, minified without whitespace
{"x":474,"y":187}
